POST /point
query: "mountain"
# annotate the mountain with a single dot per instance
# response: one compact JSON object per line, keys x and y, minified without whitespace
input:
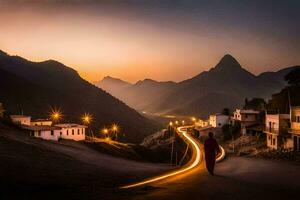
{"x":112,"y":85}
{"x":35,"y":87}
{"x":225,"y":85}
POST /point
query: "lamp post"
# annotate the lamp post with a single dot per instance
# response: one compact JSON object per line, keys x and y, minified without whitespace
{"x":115,"y":130}
{"x":87,"y":119}
{"x":105,"y":133}
{"x":55,"y":115}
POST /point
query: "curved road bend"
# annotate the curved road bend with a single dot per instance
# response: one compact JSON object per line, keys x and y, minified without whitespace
{"x":236,"y":178}
{"x":190,"y":168}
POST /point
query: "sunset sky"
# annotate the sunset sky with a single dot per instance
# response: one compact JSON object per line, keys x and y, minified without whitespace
{"x":157,"y":39}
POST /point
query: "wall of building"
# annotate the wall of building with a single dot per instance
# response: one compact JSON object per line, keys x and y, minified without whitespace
{"x":218,"y":120}
{"x":272,"y":141}
{"x":73,"y":133}
{"x":22,"y":120}
{"x":41,"y":123}
{"x":47,"y":135}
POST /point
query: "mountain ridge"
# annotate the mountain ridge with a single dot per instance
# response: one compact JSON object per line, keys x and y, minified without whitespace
{"x":227,"y":78}
{"x":50,"y":83}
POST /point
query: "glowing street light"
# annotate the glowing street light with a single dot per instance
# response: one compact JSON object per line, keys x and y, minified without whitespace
{"x":115,"y":130}
{"x":193,"y":119}
{"x":176,"y":122}
{"x":182,"y":122}
{"x":55,"y":115}
{"x":87,"y":118}
{"x":105,"y":132}
{"x":171,"y":124}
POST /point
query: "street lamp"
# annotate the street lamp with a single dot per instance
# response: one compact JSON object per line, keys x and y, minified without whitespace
{"x":115,"y":130}
{"x":55,"y":115}
{"x":182,"y":122}
{"x":105,"y":132}
{"x":87,"y":119}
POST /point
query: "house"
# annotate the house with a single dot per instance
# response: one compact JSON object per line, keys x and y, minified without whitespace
{"x":295,"y":127}
{"x":41,"y":122}
{"x":59,"y":131}
{"x":218,"y":120}
{"x":276,"y":130}
{"x":21,"y":119}
{"x":43,"y":131}
{"x":248,"y":119}
{"x":202,"y":123}
{"x":72,"y":131}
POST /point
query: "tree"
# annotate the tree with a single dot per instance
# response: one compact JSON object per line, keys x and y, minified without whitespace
{"x":226,"y":111}
{"x":256,"y":104}
{"x":293,"y":77}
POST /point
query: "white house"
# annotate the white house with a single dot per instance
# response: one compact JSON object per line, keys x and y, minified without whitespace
{"x":21,"y":119}
{"x":44,"y":132}
{"x":247,"y":117}
{"x":41,"y":122}
{"x":276,"y":127}
{"x":72,"y":131}
{"x":295,"y":127}
{"x":218,"y":120}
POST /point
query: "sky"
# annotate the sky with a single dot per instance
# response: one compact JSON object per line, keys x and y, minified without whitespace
{"x":157,"y":39}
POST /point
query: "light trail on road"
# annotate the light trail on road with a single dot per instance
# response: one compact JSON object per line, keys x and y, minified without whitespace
{"x":197,"y":161}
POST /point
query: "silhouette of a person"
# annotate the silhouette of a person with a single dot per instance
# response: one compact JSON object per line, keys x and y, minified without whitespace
{"x":211,"y":149}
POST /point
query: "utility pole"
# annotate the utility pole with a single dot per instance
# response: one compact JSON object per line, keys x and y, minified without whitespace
{"x":172,"y":148}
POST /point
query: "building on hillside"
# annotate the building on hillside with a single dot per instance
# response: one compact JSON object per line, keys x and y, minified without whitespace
{"x":72,"y":131}
{"x":21,"y":119}
{"x":41,"y":122}
{"x":295,"y":127}
{"x":43,"y":131}
{"x":60,"y":131}
{"x":276,"y":130}
{"x":202,"y":123}
{"x":247,"y":119}
{"x":218,"y":120}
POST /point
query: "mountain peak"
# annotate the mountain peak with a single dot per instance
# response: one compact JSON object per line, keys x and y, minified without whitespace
{"x":227,"y":62}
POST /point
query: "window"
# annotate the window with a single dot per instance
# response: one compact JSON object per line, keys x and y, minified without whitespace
{"x":82,"y":131}
{"x":298,"y":119}
{"x":219,"y":124}
{"x":60,"y":133}
{"x":72,"y":131}
{"x":39,"y":133}
{"x":52,"y":132}
{"x":273,"y":141}
{"x":67,"y":132}
{"x":78,"y":131}
{"x":246,"y":116}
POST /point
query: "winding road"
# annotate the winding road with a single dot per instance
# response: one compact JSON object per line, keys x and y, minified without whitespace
{"x":194,"y":162}
{"x":236,"y":178}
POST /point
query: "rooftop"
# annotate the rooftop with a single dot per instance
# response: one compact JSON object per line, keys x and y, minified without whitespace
{"x":19,"y":116}
{"x":40,"y":128}
{"x":40,"y":120}
{"x":70,"y":125}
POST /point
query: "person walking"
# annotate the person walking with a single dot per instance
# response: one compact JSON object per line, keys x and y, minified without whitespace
{"x":211,"y":148}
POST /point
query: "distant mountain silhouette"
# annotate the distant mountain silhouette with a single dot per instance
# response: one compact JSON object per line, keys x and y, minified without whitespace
{"x":33,"y":87}
{"x":112,"y":85}
{"x":225,"y":85}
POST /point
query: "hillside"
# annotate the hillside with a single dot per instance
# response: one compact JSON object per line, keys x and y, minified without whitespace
{"x":35,"y":87}
{"x":33,"y":168}
{"x":225,"y":85}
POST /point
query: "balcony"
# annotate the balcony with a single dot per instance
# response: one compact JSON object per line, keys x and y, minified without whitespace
{"x":295,"y":128}
{"x":271,"y":130}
